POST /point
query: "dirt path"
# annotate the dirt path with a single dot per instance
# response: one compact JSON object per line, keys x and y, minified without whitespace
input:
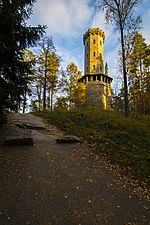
{"x":61,"y":184}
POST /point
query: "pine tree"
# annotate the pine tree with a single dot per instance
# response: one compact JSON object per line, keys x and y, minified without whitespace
{"x":139,"y":75}
{"x":15,"y":35}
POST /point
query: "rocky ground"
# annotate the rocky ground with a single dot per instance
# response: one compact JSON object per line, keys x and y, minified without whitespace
{"x":48,"y":183}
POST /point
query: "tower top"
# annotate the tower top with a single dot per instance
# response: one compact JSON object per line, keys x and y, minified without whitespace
{"x":94,"y":31}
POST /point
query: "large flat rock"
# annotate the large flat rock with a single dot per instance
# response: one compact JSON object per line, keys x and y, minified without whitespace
{"x":30,"y":126}
{"x":17,"y":140}
{"x":68,"y":139}
{"x":42,"y":137}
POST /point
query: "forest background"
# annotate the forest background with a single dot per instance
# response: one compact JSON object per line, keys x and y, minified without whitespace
{"x":36,"y":74}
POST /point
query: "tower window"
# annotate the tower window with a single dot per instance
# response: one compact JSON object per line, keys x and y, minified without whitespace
{"x":94,"y":54}
{"x":100,"y":55}
{"x":87,"y":55}
{"x":94,"y":41}
{"x":100,"y":43}
{"x":93,"y":67}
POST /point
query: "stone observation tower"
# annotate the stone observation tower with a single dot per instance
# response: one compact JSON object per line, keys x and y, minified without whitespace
{"x":97,"y":81}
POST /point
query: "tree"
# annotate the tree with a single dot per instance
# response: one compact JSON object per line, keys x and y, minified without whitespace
{"x":74,"y":88}
{"x":120,"y":13}
{"x":15,"y":35}
{"x":106,"y":68}
{"x":48,"y":67}
{"x":118,"y":100}
{"x":72,"y":73}
{"x":62,"y":90}
{"x":71,"y":93}
{"x":52,"y":78}
{"x":80,"y":95}
{"x":139,"y":75}
{"x":29,"y":60}
{"x":61,"y":103}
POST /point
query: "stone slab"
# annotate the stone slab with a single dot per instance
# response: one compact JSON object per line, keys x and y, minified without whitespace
{"x":39,"y":128}
{"x":20,"y":125}
{"x":42,"y":137}
{"x":68,"y":139}
{"x":17,"y":141}
{"x":30,"y":126}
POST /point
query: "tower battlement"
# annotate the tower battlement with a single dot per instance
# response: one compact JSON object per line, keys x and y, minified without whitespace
{"x":92,"y":31}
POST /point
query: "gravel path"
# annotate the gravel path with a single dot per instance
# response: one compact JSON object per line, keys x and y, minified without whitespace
{"x":61,"y":184}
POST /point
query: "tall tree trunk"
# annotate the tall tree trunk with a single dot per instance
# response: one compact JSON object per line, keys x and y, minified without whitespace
{"x":39,"y":91}
{"x":19,"y":103}
{"x":49,"y":97}
{"x":51,"y":100}
{"x":44,"y":93}
{"x":142,"y":88}
{"x":126,"y":105}
{"x":24,"y":100}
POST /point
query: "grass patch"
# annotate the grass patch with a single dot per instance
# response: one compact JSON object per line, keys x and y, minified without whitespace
{"x":124,"y":141}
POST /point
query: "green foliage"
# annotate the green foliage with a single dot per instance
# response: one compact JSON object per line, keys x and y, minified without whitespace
{"x":74,"y":89}
{"x":118,"y":102}
{"x":15,"y":35}
{"x":48,"y":66}
{"x":71,"y":92}
{"x":72,"y":73}
{"x":124,"y":141}
{"x":139,"y":75}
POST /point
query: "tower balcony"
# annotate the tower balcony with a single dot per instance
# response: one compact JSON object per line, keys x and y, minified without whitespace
{"x":95,"y":77}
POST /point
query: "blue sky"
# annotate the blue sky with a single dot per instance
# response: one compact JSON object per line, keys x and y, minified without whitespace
{"x":68,"y":20}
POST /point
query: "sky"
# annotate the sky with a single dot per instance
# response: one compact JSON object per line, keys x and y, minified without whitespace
{"x":68,"y":20}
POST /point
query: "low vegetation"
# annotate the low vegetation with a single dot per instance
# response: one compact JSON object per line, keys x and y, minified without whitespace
{"x":123,"y":141}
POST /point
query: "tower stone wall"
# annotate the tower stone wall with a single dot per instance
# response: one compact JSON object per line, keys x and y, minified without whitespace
{"x":98,"y":84}
{"x":98,"y":94}
{"x":94,"y":51}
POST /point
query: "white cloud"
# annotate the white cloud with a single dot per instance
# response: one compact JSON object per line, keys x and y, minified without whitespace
{"x":71,"y":18}
{"x":70,"y":56}
{"x":99,"y":21}
{"x":63,"y":17}
{"x":146,"y":28}
{"x":111,"y":59}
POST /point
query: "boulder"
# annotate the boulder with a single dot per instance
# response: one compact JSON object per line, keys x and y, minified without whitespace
{"x":34,"y":127}
{"x":17,"y":141}
{"x":30,"y":126}
{"x":20,"y":125}
{"x":68,"y":139}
